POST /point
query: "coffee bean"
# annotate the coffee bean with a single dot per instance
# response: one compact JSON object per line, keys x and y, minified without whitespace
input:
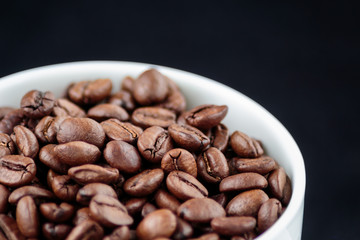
{"x":90,"y":92}
{"x":147,"y":209}
{"x":7,"y":146}
{"x":179,"y":159}
{"x":4,"y":111}
{"x":106,"y":111}
{"x":16,"y":170}
{"x":124,"y":131}
{"x":25,"y":141}
{"x":123,"y":156}
{"x":86,"y":230}
{"x":269,"y":212}
{"x":175,"y":101}
{"x":37,"y":193}
{"x":27,"y":217}
{"x":153,"y":116}
{"x":163,"y":199}
{"x":261,"y":165}
{"x":160,"y":223}
{"x":63,"y":186}
{"x":81,"y":215}
{"x":246,"y":203}
{"x":65,"y":108}
{"x":47,"y":156}
{"x":184,"y":186}
{"x":153,"y":143}
{"x":57,"y":213}
{"x":243,"y":181}
{"x":230,"y":226}
{"x":135,"y":205}
{"x":212,"y":165}
{"x":183,"y":229}
{"x":221,"y":199}
{"x":120,"y":233}
{"x":127,"y":84}
{"x":206,"y":116}
{"x":277,"y":181}
{"x":86,"y":193}
{"x":36,"y":104}
{"x":219,"y":137}
{"x":12,"y":119}
{"x":81,"y":129}
{"x":144,"y":183}
{"x":9,"y":227}
{"x":287,"y":192}
{"x":47,"y":128}
{"x":188,"y":137}
{"x":55,"y":232}
{"x":109,"y":212}
{"x":4,"y":195}
{"x":123,"y":99}
{"x":244,"y":146}
{"x":90,"y":173}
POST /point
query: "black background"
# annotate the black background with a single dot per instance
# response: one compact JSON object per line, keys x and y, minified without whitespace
{"x":300,"y":61}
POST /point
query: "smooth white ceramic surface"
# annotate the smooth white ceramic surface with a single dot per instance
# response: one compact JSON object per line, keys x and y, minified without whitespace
{"x":244,"y":115}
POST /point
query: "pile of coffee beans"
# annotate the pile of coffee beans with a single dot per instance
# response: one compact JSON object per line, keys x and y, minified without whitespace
{"x":134,"y":164}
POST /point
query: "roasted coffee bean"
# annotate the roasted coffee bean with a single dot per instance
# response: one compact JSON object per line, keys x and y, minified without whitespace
{"x":16,"y":170}
{"x":123,"y":99}
{"x":90,"y":173}
{"x":86,"y":193}
{"x":206,"y":116}
{"x":57,"y":213}
{"x":109,"y":212}
{"x":153,"y":143}
{"x":269,"y":212}
{"x":150,"y":87}
{"x":106,"y":111}
{"x":179,"y":159}
{"x":245,"y":146}
{"x":287,"y":192}
{"x":163,"y":199}
{"x":4,"y":195}
{"x":127,"y":84}
{"x":27,"y":217}
{"x":37,"y":193}
{"x":25,"y":141}
{"x":212,"y":165}
{"x":147,"y":208}
{"x":10,"y":120}
{"x":65,"y":108}
{"x":124,"y":131}
{"x":175,"y":101}
{"x":81,"y":129}
{"x":9,"y":228}
{"x":135,"y":205}
{"x":153,"y":116}
{"x":219,"y":137}
{"x":144,"y":183}
{"x":277,"y":181}
{"x":47,"y":156}
{"x":221,"y":199}
{"x":47,"y":128}
{"x":90,"y":92}
{"x":160,"y":223}
{"x":183,"y":230}
{"x":184,"y":186}
{"x":197,"y":210}
{"x":55,"y":232}
{"x":81,"y":215}
{"x":4,"y":111}
{"x":120,"y":233}
{"x":261,"y":165}
{"x":123,"y":156}
{"x":76,"y":153}
{"x":86,"y":230}
{"x":36,"y":104}
{"x":188,"y":137}
{"x":7,"y":146}
{"x":63,"y":186}
{"x":230,"y":226}
{"x":243,"y":181}
{"x":246,"y":203}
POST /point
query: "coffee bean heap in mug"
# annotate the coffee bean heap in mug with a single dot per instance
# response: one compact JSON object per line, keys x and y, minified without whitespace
{"x":132,"y":165}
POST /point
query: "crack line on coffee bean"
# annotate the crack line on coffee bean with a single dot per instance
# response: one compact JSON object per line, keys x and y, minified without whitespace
{"x":208,"y":168}
{"x":197,"y":111}
{"x":192,"y":185}
{"x":46,"y":128}
{"x":175,"y":158}
{"x":110,"y":205}
{"x":133,"y":134}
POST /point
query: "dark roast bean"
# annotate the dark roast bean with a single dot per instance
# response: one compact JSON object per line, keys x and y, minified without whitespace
{"x":206,"y":116}
{"x":81,"y":129}
{"x":10,"y":229}
{"x":16,"y":170}
{"x":27,"y":217}
{"x":47,"y":156}
{"x":124,"y":131}
{"x":160,"y":223}
{"x":120,"y":233}
{"x":87,"y":192}
{"x":55,"y":232}
{"x":184,"y":186}
{"x":219,"y":137}
{"x":245,"y":146}
{"x":127,"y":84}
{"x":64,"y":107}
{"x":109,"y":212}
{"x":243,"y":181}
{"x":123,"y":99}
{"x":269,"y":212}
{"x":7,"y":146}
{"x":123,"y":156}
{"x":90,"y":173}
{"x":76,"y":153}
{"x":277,"y":180}
{"x":247,"y":203}
{"x":25,"y":141}
{"x":63,"y":186}
{"x":81,"y":215}
{"x":183,"y":230}
{"x":230,"y":226}
{"x":87,"y":230}
{"x":57,"y":213}
{"x":188,"y":137}
{"x":90,"y":92}
{"x":153,"y":116}
{"x":147,"y":208}
{"x":135,"y":205}
{"x":287,"y":192}
{"x":153,"y":143}
{"x":198,"y":210}
{"x":261,"y":165}
{"x":10,"y":120}
{"x":144,"y":183}
{"x":36,"y":104}
{"x":47,"y":128}
{"x":220,"y":198}
{"x":32,"y":191}
{"x":212,"y":165}
{"x":179,"y":159}
{"x":4,"y":111}
{"x":4,"y":195}
{"x":150,"y":87}
{"x":105,"y":111}
{"x":164,"y":199}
